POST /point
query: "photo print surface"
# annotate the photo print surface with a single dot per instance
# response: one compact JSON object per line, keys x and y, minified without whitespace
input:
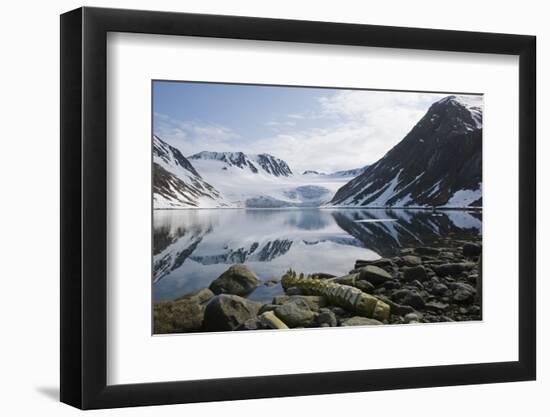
{"x":279,"y":207}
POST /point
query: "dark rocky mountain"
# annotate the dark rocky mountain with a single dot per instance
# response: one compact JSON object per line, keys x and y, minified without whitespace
{"x":386,"y":231}
{"x":176,"y":183}
{"x":438,"y":163}
{"x":254,"y":163}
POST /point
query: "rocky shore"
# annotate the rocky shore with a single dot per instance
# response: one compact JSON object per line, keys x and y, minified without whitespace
{"x":440,"y":283}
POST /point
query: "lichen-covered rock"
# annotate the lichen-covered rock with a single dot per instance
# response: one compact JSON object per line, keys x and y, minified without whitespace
{"x":351,"y":298}
{"x":350,"y":279}
{"x":295,"y":313}
{"x":180,"y":316}
{"x":237,"y":280}
{"x":227,"y":312}
{"x":374,"y":274}
{"x":314,"y":302}
{"x":201,"y":296}
{"x":360,"y":321}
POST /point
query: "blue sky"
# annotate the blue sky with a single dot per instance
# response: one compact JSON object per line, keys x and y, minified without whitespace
{"x":310,"y":128}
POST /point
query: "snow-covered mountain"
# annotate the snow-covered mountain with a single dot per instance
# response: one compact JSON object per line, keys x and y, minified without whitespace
{"x":177,"y":184}
{"x":263,"y":181}
{"x":438,"y":163}
{"x":264,"y":162}
{"x":348,"y":173}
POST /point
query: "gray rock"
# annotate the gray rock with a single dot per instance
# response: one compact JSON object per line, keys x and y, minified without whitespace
{"x":426,"y":251}
{"x":439,"y":289}
{"x":250,"y":324}
{"x":365,"y":286}
{"x":374,"y":275}
{"x":268,"y":307}
{"x":237,"y":280}
{"x":360,"y":321}
{"x":180,"y":316}
{"x":436,"y":306}
{"x":270,"y":321}
{"x":295,"y":313}
{"x":382,"y":263}
{"x":349,"y":279}
{"x":322,"y":275}
{"x":293,"y":291}
{"x":327,"y":317}
{"x":463,"y":293}
{"x":314,"y":302}
{"x":415,"y":273}
{"x":453,"y":269}
{"x":412,"y":318}
{"x":471,"y":250}
{"x":411,"y":260}
{"x":396,"y":308}
{"x":201,"y":296}
{"x":227,"y":312}
{"x":409,"y":297}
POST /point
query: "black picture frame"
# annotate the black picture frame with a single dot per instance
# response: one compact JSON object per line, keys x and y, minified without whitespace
{"x":84,"y":207}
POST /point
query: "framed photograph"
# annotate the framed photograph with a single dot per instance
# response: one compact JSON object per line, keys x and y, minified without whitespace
{"x":257,"y":208}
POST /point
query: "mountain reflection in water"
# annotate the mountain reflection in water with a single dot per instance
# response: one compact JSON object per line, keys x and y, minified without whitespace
{"x":191,"y":248}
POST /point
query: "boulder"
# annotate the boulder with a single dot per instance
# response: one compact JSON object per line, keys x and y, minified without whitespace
{"x":237,"y":280}
{"x":414,"y":273}
{"x":396,"y":308}
{"x":349,"y":279}
{"x":382,"y":263}
{"x":250,"y":324}
{"x":227,"y":312}
{"x":436,"y":306}
{"x":453,"y":269}
{"x":411,"y":260}
{"x":180,"y":316}
{"x":412,"y":318}
{"x":360,"y":321}
{"x":201,"y":296}
{"x":365,"y":286}
{"x":463,"y":293}
{"x":439,"y":289}
{"x":409,"y":297}
{"x":314,"y":302}
{"x":327,"y":317}
{"x":295,"y":313}
{"x":426,"y":251}
{"x":471,"y":250}
{"x":374,"y":275}
{"x":270,"y":321}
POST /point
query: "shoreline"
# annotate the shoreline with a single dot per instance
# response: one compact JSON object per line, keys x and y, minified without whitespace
{"x":422,"y":284}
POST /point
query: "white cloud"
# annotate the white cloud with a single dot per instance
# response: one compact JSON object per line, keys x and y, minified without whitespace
{"x":189,"y":136}
{"x":359,"y":127}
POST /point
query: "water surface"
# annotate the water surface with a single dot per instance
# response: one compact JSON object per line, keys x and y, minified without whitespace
{"x":193,"y":247}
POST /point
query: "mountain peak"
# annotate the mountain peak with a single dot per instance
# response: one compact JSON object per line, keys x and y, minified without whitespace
{"x":438,"y":162}
{"x":254,"y":162}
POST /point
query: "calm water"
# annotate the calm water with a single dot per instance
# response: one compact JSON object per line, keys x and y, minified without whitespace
{"x":193,"y":247}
